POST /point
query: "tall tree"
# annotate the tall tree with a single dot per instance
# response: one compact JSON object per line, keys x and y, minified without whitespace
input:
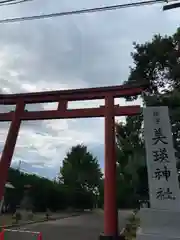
{"x":158,"y":63}
{"x":81,"y":171}
{"x":131,"y":158}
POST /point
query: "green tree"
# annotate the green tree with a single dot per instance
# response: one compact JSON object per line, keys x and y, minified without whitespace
{"x":130,"y":159}
{"x":81,"y":174}
{"x":44,"y":192}
{"x":158,"y":63}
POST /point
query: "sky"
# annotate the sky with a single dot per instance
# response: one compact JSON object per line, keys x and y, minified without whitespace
{"x":88,"y":50}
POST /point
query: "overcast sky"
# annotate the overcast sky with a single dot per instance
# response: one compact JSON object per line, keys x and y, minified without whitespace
{"x":69,"y":52}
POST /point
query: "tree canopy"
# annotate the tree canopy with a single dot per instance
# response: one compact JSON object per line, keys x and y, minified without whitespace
{"x":44,"y":192}
{"x":130,"y":161}
{"x":81,"y":168}
{"x":81,"y":172}
{"x":156,"y":62}
{"x":80,"y":182}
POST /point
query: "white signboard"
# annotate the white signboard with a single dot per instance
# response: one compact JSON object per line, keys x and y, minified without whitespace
{"x":161,"y":163}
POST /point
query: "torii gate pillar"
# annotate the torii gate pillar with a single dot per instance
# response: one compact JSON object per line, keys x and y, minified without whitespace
{"x":110,"y":205}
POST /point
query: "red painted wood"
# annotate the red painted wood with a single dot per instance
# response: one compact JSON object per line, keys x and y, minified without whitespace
{"x":9,"y":147}
{"x":70,"y":95}
{"x":110,"y":206}
{"x":71,"y":113}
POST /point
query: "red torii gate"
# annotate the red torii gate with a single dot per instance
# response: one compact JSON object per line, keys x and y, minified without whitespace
{"x":108,"y":111}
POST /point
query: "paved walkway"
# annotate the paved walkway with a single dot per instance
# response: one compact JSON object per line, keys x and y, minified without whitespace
{"x":88,"y":226}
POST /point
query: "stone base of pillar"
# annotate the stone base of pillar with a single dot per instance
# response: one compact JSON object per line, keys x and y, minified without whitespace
{"x":158,"y":225}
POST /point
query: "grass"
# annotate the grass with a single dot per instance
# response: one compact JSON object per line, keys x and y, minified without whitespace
{"x":131,"y":227}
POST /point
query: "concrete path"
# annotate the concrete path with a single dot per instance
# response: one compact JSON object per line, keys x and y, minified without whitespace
{"x":88,"y":226}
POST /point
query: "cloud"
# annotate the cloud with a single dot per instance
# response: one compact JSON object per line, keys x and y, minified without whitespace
{"x":69,"y":52}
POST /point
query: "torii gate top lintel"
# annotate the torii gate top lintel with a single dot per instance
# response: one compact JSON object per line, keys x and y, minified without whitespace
{"x":73,"y":94}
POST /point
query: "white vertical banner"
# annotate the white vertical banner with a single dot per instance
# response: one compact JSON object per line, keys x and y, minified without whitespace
{"x":161,"y":162}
